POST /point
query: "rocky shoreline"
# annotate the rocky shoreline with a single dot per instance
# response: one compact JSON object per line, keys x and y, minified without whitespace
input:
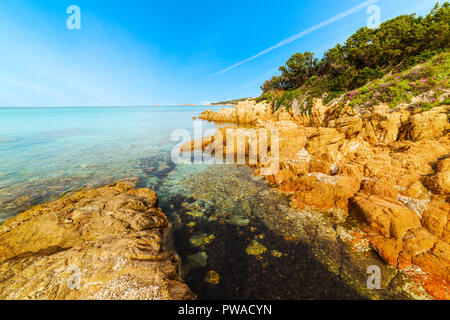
{"x":365,"y":187}
{"x":110,"y":243}
{"x":387,"y":170}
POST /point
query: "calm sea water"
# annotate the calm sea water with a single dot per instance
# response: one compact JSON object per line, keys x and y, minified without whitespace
{"x":46,"y":152}
{"x":218,"y":211}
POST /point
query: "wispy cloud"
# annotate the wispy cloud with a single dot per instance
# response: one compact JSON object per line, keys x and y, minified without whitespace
{"x":302,"y":34}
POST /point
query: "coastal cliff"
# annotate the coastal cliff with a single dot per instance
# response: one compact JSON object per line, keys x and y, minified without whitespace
{"x":386,"y":169}
{"x":109,"y":243}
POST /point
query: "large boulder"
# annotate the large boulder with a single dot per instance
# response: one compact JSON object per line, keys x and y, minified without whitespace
{"x":435,"y":217}
{"x":444,"y":165}
{"x":322,"y":191}
{"x":385,"y":216}
{"x":381,"y":125}
{"x":439,"y":183}
{"x":107,"y":243}
{"x":437,"y":261}
{"x":427,"y":125}
{"x":325,"y":140}
{"x":347,"y":121}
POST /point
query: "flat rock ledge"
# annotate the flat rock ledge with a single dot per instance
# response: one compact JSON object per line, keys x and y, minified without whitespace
{"x":110,"y":243}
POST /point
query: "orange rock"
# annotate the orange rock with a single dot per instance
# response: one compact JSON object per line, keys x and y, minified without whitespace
{"x":281,"y":176}
{"x":291,"y":185}
{"x":439,"y":183}
{"x":418,"y":241}
{"x":112,"y":236}
{"x":383,"y":215}
{"x":383,"y":124}
{"x":378,"y":166}
{"x":245,"y":112}
{"x":291,"y":140}
{"x":380,"y":187}
{"x":331,"y":192}
{"x":426,"y":125}
{"x":446,"y":234}
{"x":435,"y":217}
{"x":349,"y":125}
{"x":416,"y":190}
{"x":442,"y":250}
{"x":351,"y":170}
{"x":427,"y":150}
{"x":325,"y":140}
{"x":436,"y":265}
{"x":404,"y":261}
{"x":444,"y":165}
{"x":434,"y":285}
{"x":388,"y":249}
{"x":320,"y":166}
{"x":297,"y":167}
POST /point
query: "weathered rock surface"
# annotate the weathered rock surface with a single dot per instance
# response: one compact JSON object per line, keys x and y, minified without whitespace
{"x":245,"y":112}
{"x":108,"y":243}
{"x":389,"y":168}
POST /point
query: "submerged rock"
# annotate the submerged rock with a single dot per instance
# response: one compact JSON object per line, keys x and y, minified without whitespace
{"x":201,"y":240}
{"x":106,"y":243}
{"x":239,"y":221}
{"x":255,"y":248}
{"x":212,"y":277}
{"x":276,"y":253}
{"x":198,"y":260}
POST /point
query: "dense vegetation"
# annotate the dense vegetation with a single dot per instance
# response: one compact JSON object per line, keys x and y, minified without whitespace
{"x":366,"y":56}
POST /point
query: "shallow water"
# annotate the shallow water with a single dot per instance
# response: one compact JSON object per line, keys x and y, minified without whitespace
{"x":231,"y":205}
{"x":217,"y":211}
{"x":46,"y":152}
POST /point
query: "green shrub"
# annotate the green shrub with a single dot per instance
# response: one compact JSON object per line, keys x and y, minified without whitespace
{"x":446,"y":101}
{"x":332,"y":95}
{"x":368,"y":54}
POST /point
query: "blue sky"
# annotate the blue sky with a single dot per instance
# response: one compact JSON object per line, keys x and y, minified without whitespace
{"x":145,"y":52}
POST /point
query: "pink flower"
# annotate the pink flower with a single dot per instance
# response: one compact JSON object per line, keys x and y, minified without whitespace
{"x":433,"y":99}
{"x":370,"y":88}
{"x":412,"y":84}
{"x":399,"y":77}
{"x":423,"y":80}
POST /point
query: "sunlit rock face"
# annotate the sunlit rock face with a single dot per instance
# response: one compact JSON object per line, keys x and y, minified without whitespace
{"x":386,"y":168}
{"x":106,"y":243}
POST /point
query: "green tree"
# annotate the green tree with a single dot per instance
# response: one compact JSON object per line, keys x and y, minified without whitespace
{"x":368,"y":54}
{"x":299,"y":68}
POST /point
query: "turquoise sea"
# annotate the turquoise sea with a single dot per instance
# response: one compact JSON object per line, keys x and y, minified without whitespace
{"x":47,"y":152}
